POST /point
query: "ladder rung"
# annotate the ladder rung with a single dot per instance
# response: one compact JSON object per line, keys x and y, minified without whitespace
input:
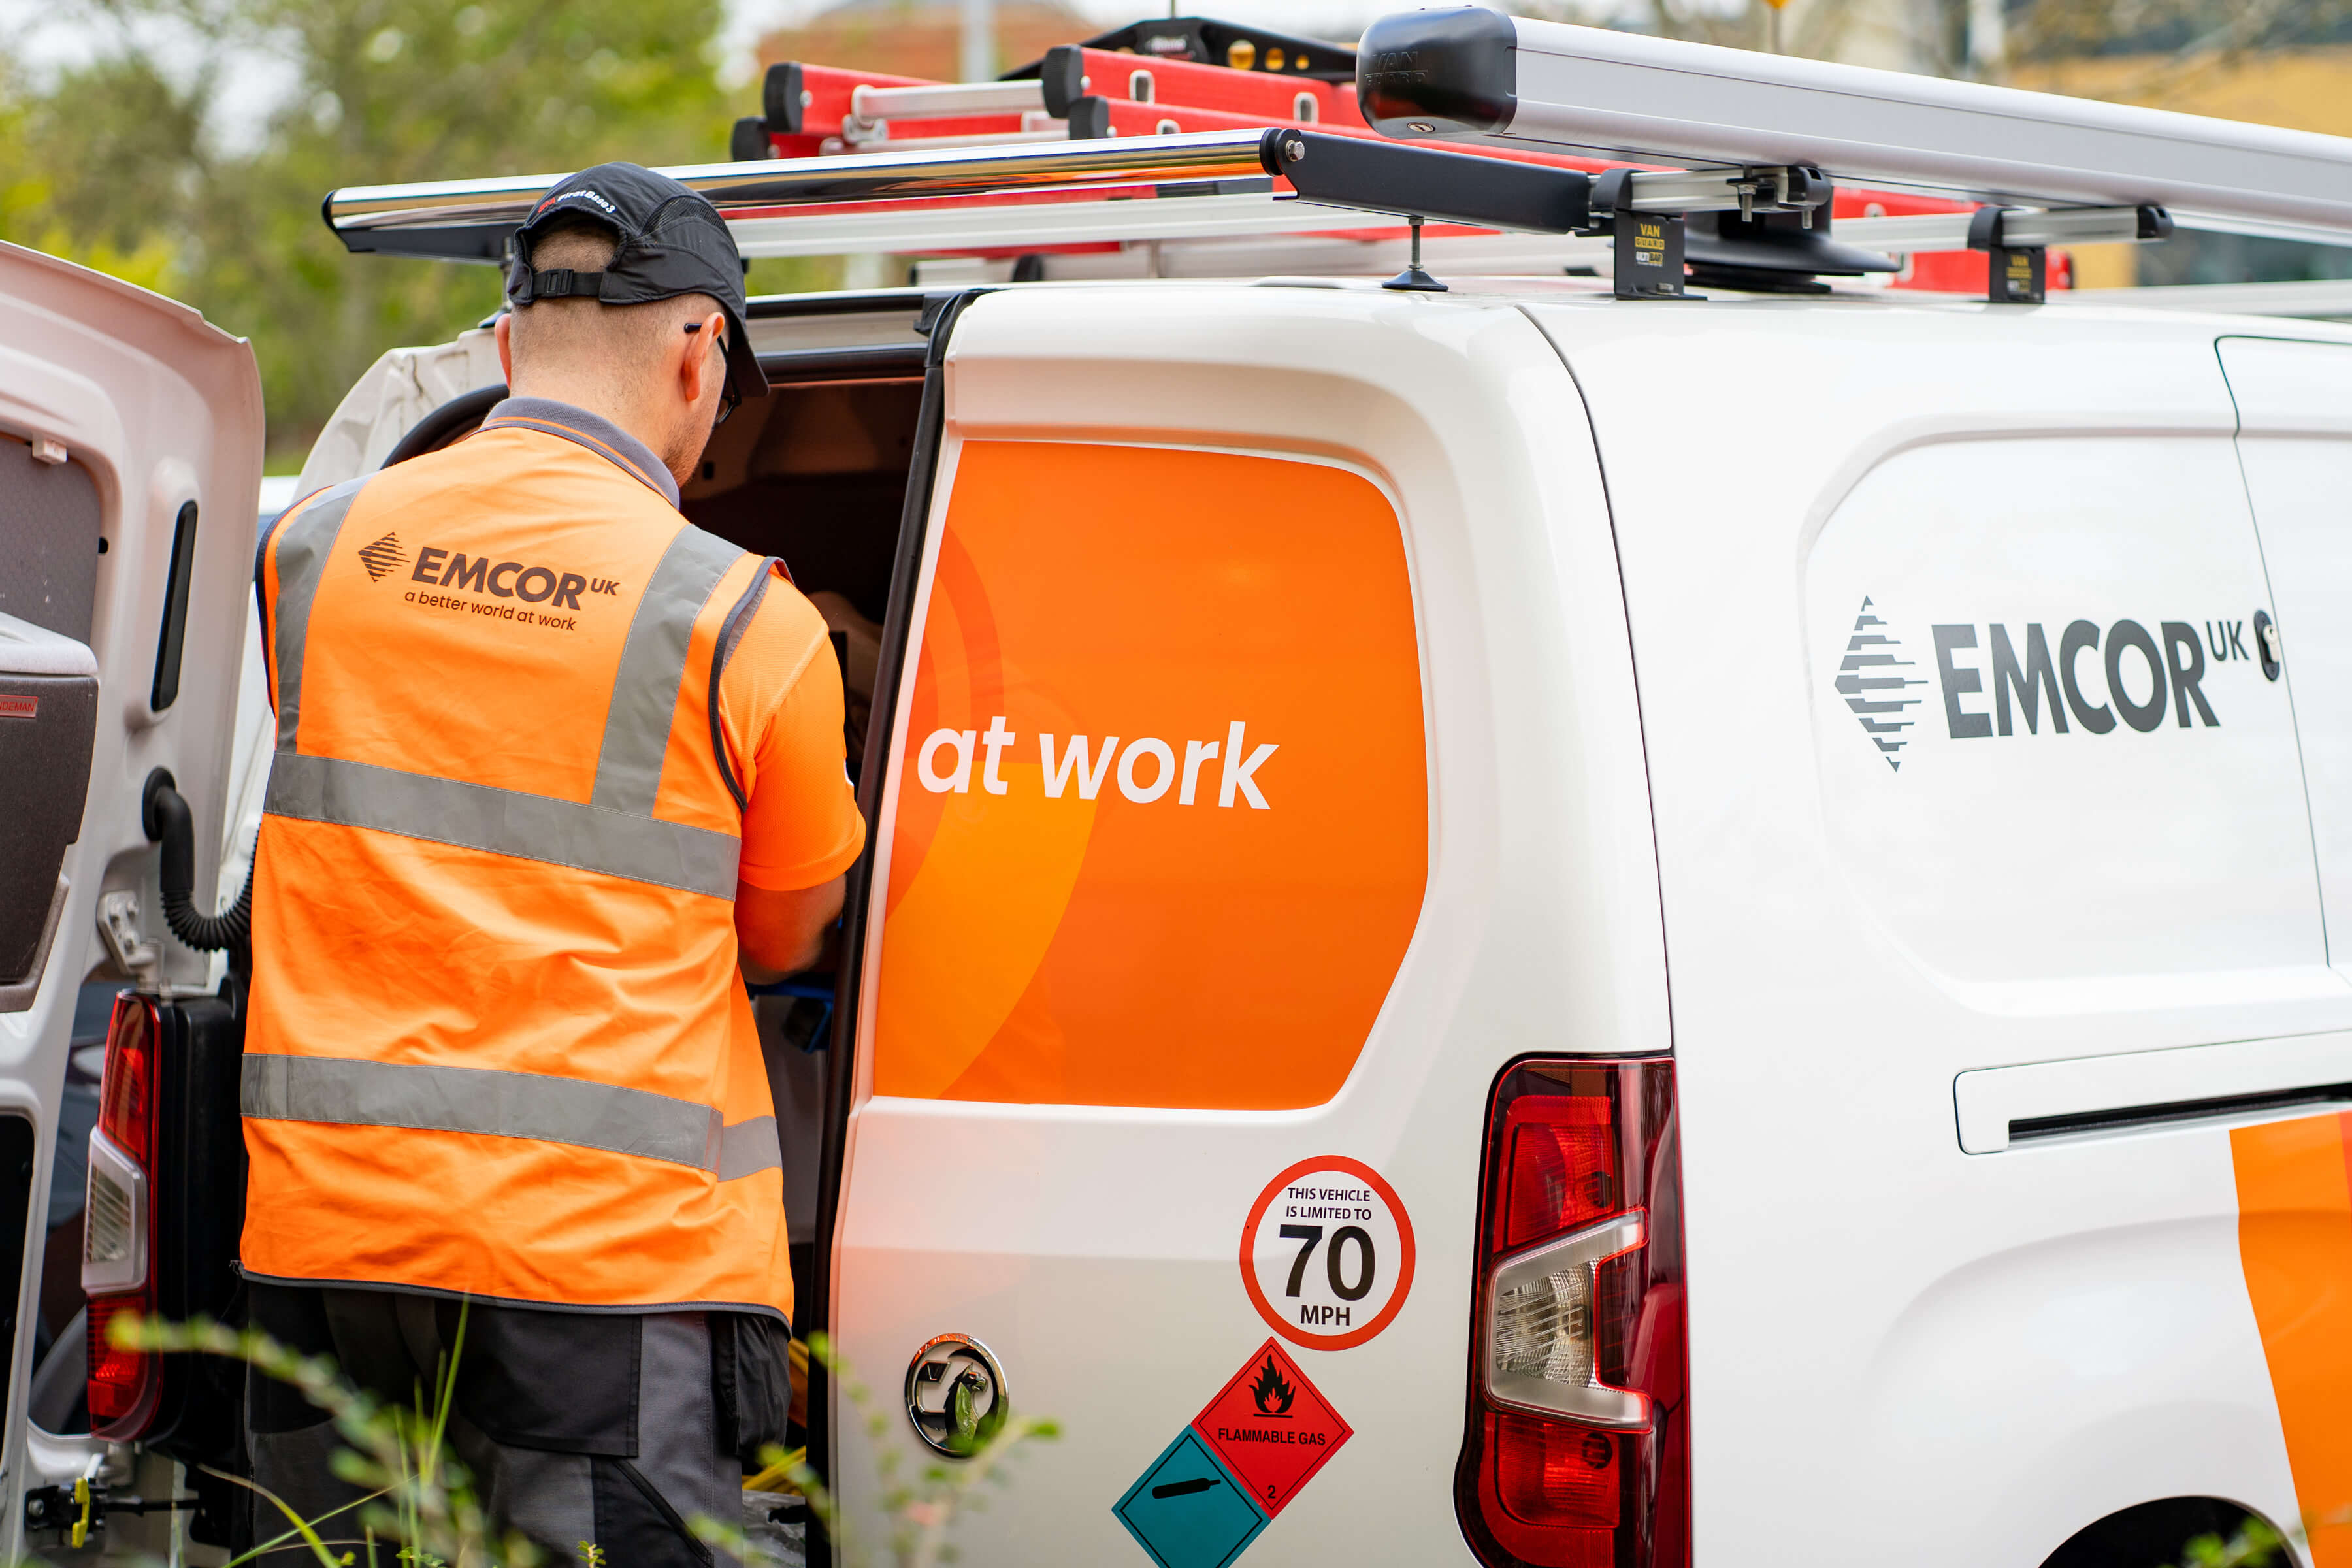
{"x":870,"y":104}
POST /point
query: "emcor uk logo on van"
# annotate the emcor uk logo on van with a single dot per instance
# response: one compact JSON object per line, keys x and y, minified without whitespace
{"x":2094,"y":674}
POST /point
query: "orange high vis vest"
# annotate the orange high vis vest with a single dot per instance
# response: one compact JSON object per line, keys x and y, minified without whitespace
{"x":497,"y":1044}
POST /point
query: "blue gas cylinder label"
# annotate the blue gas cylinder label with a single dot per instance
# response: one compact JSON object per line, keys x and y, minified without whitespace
{"x":1187,"y":1510}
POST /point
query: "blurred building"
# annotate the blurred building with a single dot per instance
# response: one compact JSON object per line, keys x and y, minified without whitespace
{"x":921,"y":37}
{"x":2303,"y":87}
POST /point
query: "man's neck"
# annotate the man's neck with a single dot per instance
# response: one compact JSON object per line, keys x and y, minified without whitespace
{"x":661,"y":436}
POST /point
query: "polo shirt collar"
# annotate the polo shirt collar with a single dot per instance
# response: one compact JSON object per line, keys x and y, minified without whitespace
{"x":593,"y":431}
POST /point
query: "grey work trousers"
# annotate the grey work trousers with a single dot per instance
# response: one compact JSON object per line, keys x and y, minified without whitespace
{"x":578,"y":1428}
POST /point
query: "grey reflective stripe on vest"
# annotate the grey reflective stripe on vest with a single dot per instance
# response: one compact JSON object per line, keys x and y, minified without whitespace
{"x":614,"y":833}
{"x":303,"y":546}
{"x":498,"y":1104}
{"x":503,"y":822}
{"x":653,"y":666}
{"x":748,"y":1147}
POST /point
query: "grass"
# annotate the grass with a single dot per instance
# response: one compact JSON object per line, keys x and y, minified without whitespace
{"x":419,"y":1500}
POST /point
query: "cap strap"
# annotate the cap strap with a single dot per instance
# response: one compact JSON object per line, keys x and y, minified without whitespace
{"x":562,"y":283}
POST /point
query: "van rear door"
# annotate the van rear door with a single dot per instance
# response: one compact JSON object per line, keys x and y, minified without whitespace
{"x":130,"y":438}
{"x":1264,"y":775}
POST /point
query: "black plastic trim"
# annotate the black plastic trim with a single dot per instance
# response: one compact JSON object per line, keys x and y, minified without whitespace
{"x":1089,"y":119}
{"x":780,"y":97}
{"x":763,"y":307}
{"x":1775,"y":243}
{"x":2029,"y":1128}
{"x":1063,"y":75}
{"x":880,"y":360}
{"x":169,"y":644}
{"x":747,"y":142}
{"x":1453,"y":70}
{"x":1433,"y":183}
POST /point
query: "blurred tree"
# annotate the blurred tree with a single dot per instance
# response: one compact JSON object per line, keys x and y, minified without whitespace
{"x":121,"y":164}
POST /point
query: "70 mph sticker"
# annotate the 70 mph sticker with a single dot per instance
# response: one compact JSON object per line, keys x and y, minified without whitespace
{"x":1327,"y":1253}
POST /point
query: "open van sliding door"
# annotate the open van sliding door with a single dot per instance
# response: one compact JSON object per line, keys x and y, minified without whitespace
{"x":1262,"y":691}
{"x":130,"y":438}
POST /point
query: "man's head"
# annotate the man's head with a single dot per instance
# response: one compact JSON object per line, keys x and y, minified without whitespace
{"x":626,"y":297}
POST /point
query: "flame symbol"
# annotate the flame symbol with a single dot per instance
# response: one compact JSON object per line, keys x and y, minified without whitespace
{"x":1272,"y":1395}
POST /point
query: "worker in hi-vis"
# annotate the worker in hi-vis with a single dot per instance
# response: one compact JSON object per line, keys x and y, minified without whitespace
{"x":551,"y":763}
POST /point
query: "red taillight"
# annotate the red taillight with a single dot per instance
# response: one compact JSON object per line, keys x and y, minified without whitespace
{"x":126,"y":1094}
{"x":1576,"y":1454}
{"x":117,"y":1221}
{"x":123,"y":1384}
{"x":1562,"y":1166}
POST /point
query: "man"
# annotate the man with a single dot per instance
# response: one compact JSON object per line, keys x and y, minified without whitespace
{"x":550,"y":764}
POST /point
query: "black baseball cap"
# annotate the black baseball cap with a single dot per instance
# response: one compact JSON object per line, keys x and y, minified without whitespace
{"x":672,"y":242}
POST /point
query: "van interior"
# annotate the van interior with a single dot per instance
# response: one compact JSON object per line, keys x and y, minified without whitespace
{"x":815,"y":474}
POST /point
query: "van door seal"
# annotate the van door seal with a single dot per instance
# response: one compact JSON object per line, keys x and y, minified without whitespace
{"x":841,"y":1074}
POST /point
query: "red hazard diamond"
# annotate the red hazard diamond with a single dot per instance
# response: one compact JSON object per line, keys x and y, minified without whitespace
{"x":1272,"y":1427}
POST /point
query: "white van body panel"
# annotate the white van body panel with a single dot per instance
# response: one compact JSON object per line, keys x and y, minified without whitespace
{"x":162,"y":409}
{"x":2294,"y":409}
{"x":1877,"y":1314}
{"x":1093,"y":1249}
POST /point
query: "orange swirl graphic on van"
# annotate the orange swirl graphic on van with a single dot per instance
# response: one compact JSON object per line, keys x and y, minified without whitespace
{"x":1162,"y":821}
{"x":2294,"y":1241}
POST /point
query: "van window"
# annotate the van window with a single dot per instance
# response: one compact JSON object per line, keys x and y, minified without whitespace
{"x":1158,"y":831}
{"x":2048,"y":755}
{"x":48,"y":541}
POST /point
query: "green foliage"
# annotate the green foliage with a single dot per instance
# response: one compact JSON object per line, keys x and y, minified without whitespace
{"x":119,"y":165}
{"x":919,"y":1511}
{"x":420,"y":1501}
{"x":2254,"y":1545}
{"x":417,"y":1496}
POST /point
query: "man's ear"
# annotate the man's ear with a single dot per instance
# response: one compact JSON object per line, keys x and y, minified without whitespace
{"x":703,"y":365}
{"x":504,"y":333}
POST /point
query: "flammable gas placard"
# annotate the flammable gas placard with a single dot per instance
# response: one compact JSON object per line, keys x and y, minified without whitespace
{"x":1272,"y":1427}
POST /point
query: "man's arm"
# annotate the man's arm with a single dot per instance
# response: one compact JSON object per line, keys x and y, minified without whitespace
{"x":801,"y":827}
{"x":783,"y":933}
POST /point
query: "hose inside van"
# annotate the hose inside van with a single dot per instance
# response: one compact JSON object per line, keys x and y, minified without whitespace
{"x":167,"y":820}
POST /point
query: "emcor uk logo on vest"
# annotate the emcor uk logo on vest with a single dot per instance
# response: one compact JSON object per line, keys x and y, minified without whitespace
{"x":520,"y":583}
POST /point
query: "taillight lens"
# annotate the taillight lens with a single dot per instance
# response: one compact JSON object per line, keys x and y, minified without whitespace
{"x":1577,"y":1452}
{"x":118,"y":1236}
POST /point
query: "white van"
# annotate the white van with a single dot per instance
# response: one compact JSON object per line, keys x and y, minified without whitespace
{"x":1505,"y":927}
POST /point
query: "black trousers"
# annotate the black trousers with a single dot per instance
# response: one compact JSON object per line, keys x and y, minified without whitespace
{"x":579,"y":1428}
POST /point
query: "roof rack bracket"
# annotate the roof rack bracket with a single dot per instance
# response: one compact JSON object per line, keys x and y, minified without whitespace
{"x":1796,"y":188}
{"x":2018,"y":240}
{"x":1415,"y":279}
{"x":1647,"y":212}
{"x":2017,"y":270}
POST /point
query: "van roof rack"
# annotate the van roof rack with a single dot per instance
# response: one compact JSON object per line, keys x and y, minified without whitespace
{"x":1466,"y":74}
{"x":1491,"y":125}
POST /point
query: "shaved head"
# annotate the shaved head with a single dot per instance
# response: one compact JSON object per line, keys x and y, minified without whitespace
{"x":625,"y":345}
